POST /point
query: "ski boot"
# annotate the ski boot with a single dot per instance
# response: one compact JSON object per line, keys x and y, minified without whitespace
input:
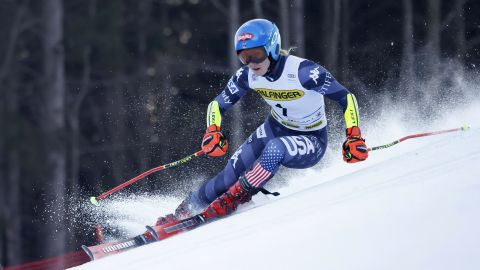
{"x":241,"y":192}
{"x":183,"y":211}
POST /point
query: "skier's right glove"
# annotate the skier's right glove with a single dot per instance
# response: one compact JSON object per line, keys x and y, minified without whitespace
{"x":354,"y":147}
{"x":214,"y":143}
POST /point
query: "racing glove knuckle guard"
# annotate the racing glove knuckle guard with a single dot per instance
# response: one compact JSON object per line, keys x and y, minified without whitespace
{"x":214,"y":142}
{"x":354,"y":148}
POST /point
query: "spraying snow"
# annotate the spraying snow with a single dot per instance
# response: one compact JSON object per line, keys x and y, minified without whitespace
{"x":413,"y":206}
{"x":417,"y":210}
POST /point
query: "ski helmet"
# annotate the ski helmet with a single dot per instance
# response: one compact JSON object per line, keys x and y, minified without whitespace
{"x":259,"y":33}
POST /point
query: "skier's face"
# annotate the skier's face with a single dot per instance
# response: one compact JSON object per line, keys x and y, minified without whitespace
{"x":256,"y":59}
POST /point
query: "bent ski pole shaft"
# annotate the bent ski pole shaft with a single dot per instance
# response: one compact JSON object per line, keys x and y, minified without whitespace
{"x":417,"y":136}
{"x":94,"y":200}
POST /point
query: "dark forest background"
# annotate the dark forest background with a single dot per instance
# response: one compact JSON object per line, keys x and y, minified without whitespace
{"x":93,"y":92}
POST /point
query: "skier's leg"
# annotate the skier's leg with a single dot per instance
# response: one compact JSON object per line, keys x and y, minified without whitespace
{"x":240,"y":161}
{"x":301,"y":151}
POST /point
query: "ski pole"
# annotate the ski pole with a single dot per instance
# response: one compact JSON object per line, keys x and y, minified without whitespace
{"x":94,"y":200}
{"x":464,"y":128}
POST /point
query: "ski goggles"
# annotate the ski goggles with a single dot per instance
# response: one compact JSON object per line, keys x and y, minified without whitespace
{"x":253,"y":55}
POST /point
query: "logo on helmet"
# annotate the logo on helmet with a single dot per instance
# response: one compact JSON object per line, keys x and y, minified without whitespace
{"x":245,"y":36}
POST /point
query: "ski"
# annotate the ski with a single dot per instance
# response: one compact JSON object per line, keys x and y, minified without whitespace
{"x":103,"y":250}
{"x":154,"y":233}
{"x":161,"y":232}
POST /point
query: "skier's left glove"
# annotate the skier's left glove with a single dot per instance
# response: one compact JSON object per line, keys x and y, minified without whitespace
{"x":354,"y":147}
{"x":214,"y":142}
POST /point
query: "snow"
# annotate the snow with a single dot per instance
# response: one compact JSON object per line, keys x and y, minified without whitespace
{"x":412,"y":206}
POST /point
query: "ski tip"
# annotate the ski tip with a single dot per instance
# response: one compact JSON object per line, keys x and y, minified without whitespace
{"x":94,"y":201}
{"x":89,"y":252}
{"x":153,"y":232}
{"x":465,"y":127}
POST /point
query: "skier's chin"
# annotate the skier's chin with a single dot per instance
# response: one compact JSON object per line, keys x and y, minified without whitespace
{"x":259,"y":72}
{"x":260,"y":69}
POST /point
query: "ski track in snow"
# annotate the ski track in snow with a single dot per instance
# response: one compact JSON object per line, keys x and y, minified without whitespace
{"x":412,"y":206}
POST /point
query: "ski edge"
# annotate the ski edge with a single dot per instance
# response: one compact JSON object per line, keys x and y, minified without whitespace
{"x":152,"y":231}
{"x":89,"y":252}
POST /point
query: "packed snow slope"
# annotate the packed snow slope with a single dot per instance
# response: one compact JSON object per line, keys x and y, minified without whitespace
{"x":413,"y":206}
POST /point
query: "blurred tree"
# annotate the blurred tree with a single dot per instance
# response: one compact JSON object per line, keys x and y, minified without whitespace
{"x":144,"y":128}
{"x":237,"y":111}
{"x":298,"y":29}
{"x":345,"y":45}
{"x":52,"y":122}
{"x":14,"y":225}
{"x":76,"y":105}
{"x":14,"y":32}
{"x":144,"y":9}
{"x":258,"y":9}
{"x":3,"y":195}
{"x":433,"y":45}
{"x":460,"y":32}
{"x":407,"y":65}
{"x":116,"y":111}
{"x":116,"y":118}
{"x":233,"y":24}
{"x":3,"y":240}
{"x":285,"y":23}
{"x":333,"y":26}
{"x":11,"y":184}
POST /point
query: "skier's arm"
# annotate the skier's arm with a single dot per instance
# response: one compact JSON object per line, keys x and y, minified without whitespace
{"x":214,"y":142}
{"x":236,"y":87}
{"x":317,"y":78}
{"x":354,"y":148}
{"x":214,"y":115}
{"x":350,"y":108}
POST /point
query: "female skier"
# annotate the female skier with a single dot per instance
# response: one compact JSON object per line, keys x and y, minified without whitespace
{"x":293,"y":135}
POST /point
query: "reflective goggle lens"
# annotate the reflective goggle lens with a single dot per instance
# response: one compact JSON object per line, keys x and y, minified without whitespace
{"x":254,"y":55}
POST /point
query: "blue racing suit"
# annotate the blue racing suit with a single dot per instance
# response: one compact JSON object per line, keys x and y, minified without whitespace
{"x":293,"y":135}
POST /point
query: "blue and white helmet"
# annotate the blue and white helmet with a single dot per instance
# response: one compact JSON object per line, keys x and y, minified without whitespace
{"x":257,"y":33}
